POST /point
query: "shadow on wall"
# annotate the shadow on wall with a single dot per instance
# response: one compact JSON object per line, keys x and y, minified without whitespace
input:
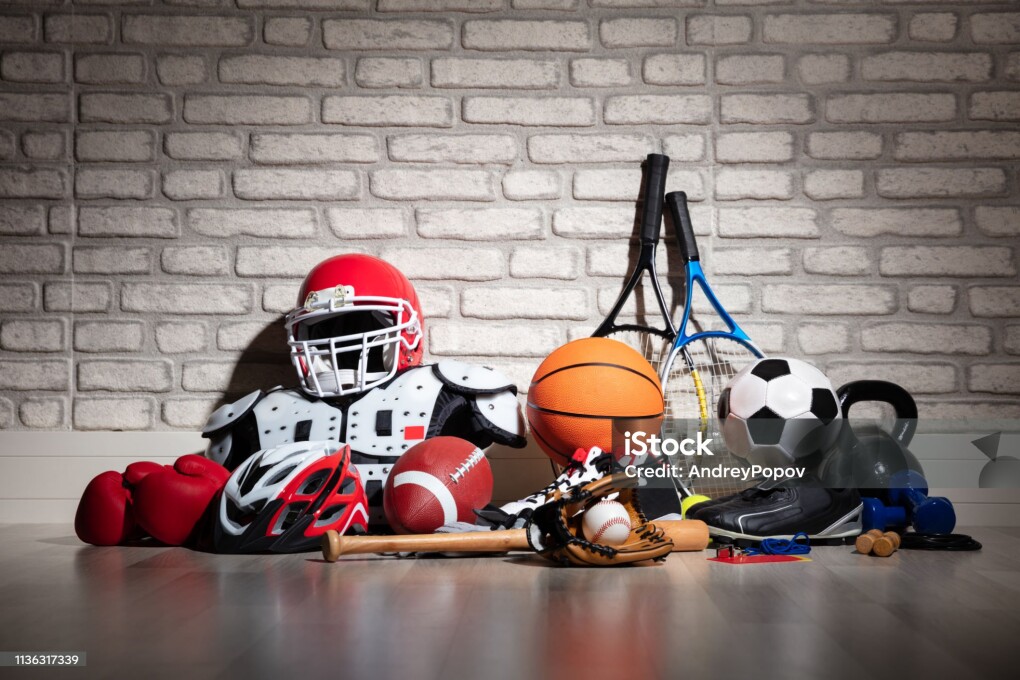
{"x":262,"y":365}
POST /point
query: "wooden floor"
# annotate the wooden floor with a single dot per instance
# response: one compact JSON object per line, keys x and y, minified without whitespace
{"x":173,"y":613}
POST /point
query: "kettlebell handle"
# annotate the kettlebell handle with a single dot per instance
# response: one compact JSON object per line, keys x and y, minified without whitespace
{"x":887,"y":393}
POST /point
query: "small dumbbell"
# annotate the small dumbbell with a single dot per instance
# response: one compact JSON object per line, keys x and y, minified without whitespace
{"x":927,"y":514}
{"x":875,"y":542}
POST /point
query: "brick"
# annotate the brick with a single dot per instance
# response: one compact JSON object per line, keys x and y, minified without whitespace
{"x":271,"y":149}
{"x":994,"y":106}
{"x":844,"y":145}
{"x":279,"y":261}
{"x":112,"y":414}
{"x":260,"y":184}
{"x":649,"y":3}
{"x":257,"y":69}
{"x":251,"y":336}
{"x":112,"y":260}
{"x":750,"y":261}
{"x":733,"y":184}
{"x":939,"y":182}
{"x":460,"y":339}
{"x":674,"y":69}
{"x":544,"y":263}
{"x":8,"y":145}
{"x":27,"y":335}
{"x":189,"y":31}
{"x":108,"y":145}
{"x":62,"y":296}
{"x":35,"y":108}
{"x":247,"y":110}
{"x":558,"y":148}
{"x":35,"y":374}
{"x":188,"y":414}
{"x":190,"y":298}
{"x":953,"y":145}
{"x":17,"y":258}
{"x":1012,"y":342}
{"x":995,"y":301}
{"x":530,"y":185}
{"x":436,"y":302}
{"x":280,"y":299}
{"x":127,"y":221}
{"x":599,"y":72}
{"x":594,"y":222}
{"x":869,"y":222}
{"x":995,"y":28}
{"x":305,"y":4}
{"x":186,"y":185}
{"x":287,"y":31}
{"x":718,"y":30}
{"x":458,"y":264}
{"x":359,"y":223}
{"x":638,"y":32}
{"x":921,"y":338}
{"x":175,"y":337}
{"x":386,"y":34}
{"x":504,"y":35}
{"x":890,"y":108}
{"x":687,"y":147}
{"x":754,"y":147}
{"x":998,"y":221}
{"x":933,"y":26}
{"x":392,"y":110}
{"x":947,"y":261}
{"x":817,"y":69}
{"x":47,"y":146}
{"x":790,"y":222}
{"x":126,"y":108}
{"x":838,"y":261}
{"x":440,"y":5}
{"x":767,"y":108}
{"x":32,"y":67}
{"x":828,"y":299}
{"x":623,"y":185}
{"x":994,"y":378}
{"x":436,"y":185}
{"x":544,"y":4}
{"x":180,"y":69}
{"x":258,"y":222}
{"x":829,"y":29}
{"x":109,"y":69}
{"x":125,"y":376}
{"x":435,"y":148}
{"x":825,"y":185}
{"x":18,"y":297}
{"x":826,"y":338}
{"x":202,"y":146}
{"x":21,"y":220}
{"x":44,"y":413}
{"x":101,"y":183}
{"x":195,"y":260}
{"x":918,"y":378}
{"x":691,"y":109}
{"x":61,"y":219}
{"x":487,"y":224}
{"x":382,"y":72}
{"x":929,"y":67}
{"x":108,"y":336}
{"x":88,"y":29}
{"x":1012,"y":70}
{"x":614,"y":259}
{"x":747,"y":69}
{"x":524,"y":303}
{"x":28,"y":182}
{"x":931,"y":299}
{"x":18,"y":29}
{"x":495,"y":73}
{"x":558,"y":111}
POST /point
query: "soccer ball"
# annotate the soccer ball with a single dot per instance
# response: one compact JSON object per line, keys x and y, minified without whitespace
{"x":776,"y":411}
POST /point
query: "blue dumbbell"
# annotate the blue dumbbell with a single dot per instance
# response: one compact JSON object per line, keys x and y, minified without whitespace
{"x":910,"y":504}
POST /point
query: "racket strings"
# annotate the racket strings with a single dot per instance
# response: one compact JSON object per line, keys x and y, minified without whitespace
{"x":653,"y":347}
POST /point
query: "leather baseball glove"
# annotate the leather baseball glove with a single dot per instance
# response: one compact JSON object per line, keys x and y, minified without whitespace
{"x":555,"y":531}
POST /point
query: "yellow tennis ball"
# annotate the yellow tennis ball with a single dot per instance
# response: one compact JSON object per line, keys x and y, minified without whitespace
{"x":686,"y":503}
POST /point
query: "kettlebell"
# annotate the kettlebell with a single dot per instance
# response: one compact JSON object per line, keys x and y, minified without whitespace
{"x":869,"y":461}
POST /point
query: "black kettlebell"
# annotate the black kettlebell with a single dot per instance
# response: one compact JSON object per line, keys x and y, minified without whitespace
{"x":868,"y":461}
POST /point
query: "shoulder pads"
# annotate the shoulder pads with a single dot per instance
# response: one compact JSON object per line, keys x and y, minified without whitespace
{"x":503,"y":412}
{"x":467,"y":378}
{"x":230,"y":413}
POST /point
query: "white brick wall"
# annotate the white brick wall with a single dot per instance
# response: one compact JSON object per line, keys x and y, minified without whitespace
{"x":170,"y":170}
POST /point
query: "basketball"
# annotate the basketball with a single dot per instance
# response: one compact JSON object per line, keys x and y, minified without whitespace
{"x":585,"y":387}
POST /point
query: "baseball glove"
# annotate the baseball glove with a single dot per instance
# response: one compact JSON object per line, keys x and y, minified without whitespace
{"x":555,"y":531}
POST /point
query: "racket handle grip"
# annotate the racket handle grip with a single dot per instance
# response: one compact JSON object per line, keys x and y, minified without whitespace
{"x":655,"y":187}
{"x":677,"y":203}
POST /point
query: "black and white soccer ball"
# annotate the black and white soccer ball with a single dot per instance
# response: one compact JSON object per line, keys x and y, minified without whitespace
{"x":777,"y":411}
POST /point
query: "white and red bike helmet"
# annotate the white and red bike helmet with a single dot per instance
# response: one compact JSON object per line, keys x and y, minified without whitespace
{"x":358,"y":322}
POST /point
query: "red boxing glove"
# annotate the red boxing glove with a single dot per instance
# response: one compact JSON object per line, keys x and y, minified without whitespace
{"x":170,"y":503}
{"x":106,"y":514}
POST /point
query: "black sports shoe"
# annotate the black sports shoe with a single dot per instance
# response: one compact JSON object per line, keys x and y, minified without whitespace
{"x":782,"y":511}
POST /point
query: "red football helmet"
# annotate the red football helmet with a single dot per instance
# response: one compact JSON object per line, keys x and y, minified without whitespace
{"x":358,"y":321}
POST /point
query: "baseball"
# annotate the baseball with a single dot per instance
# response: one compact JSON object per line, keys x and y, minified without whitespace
{"x":606,"y":522}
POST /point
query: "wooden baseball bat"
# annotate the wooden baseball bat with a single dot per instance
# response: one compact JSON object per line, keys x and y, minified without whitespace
{"x":686,"y":535}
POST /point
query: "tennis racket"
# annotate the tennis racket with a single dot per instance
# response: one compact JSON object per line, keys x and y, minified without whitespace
{"x":700,"y":364}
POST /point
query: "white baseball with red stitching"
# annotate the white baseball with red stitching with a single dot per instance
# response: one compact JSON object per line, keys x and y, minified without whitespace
{"x":606,"y":522}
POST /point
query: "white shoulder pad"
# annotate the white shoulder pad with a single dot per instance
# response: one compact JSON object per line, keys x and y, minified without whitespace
{"x":502,"y":410}
{"x":230,"y":413}
{"x":471,"y":378}
{"x":280,"y":414}
{"x":388,"y":420}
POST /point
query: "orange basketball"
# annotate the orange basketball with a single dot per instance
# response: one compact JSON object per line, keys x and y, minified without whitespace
{"x":585,"y":387}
